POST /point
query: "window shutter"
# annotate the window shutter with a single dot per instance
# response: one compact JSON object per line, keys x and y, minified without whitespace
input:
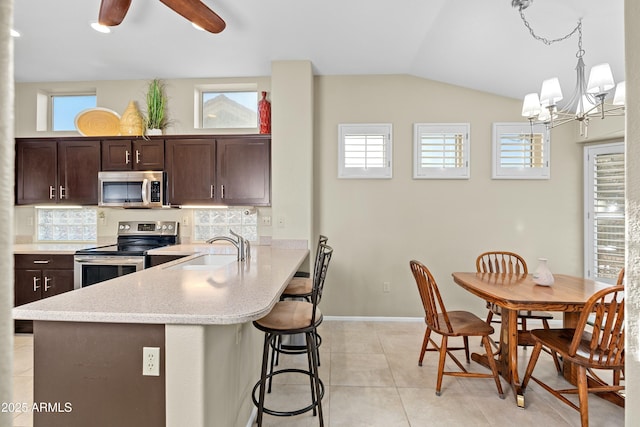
{"x":364,"y":151}
{"x":441,"y":150}
{"x":608,"y":225}
{"x":521,"y":151}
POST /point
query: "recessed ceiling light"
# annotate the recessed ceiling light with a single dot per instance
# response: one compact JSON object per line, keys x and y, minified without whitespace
{"x":14,"y":33}
{"x":100,"y":28}
{"x":197,"y":27}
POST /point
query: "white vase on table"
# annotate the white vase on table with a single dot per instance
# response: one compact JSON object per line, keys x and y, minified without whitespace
{"x":542,"y":275}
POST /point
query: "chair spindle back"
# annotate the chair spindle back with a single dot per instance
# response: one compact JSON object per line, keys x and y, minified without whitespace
{"x":606,"y":345}
{"x":501,"y":262}
{"x":319,"y":275}
{"x":436,"y":315}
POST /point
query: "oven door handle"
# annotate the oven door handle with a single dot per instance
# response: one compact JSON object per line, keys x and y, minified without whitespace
{"x":102,"y":261}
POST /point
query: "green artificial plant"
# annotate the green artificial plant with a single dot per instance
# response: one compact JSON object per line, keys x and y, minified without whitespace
{"x":156,"y":104}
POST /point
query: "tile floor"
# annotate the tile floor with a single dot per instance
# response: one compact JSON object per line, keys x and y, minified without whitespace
{"x":372,"y":379}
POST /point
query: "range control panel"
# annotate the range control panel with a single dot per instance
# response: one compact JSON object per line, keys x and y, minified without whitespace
{"x":148,"y":228}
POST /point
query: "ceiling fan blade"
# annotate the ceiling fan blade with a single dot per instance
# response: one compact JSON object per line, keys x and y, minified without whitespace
{"x":198,"y":13}
{"x":112,"y":12}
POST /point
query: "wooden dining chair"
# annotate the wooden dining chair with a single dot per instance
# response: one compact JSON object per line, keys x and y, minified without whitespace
{"x":450,"y":324}
{"x":512,"y":263}
{"x":601,"y":348}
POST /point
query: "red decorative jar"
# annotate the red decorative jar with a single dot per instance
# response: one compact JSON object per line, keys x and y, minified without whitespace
{"x":264,"y":111}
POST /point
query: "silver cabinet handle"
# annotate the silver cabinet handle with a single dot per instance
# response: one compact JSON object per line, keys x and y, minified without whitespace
{"x":46,"y":283}
{"x":35,"y":283}
{"x":222,"y":195}
{"x":52,"y":192}
{"x":137,"y":156}
{"x":212,"y":192}
{"x":127,"y":160}
{"x":41,"y":261}
{"x":62,"y":190}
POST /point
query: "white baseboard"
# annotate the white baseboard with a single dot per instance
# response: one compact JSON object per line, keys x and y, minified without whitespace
{"x":252,"y":416}
{"x":374,"y":319}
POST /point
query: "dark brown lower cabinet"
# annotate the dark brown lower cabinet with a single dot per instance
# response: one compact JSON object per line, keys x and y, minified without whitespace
{"x":40,"y":276}
{"x":161,"y":259}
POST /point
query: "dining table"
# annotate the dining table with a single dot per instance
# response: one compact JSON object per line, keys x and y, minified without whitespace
{"x":517,"y":292}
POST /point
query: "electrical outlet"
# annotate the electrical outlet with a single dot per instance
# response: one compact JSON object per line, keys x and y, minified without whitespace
{"x":386,"y":287}
{"x":185,"y":221}
{"x":266,"y":220}
{"x":281,"y":222}
{"x":151,"y":361}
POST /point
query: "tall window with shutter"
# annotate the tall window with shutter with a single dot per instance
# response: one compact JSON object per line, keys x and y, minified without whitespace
{"x":441,"y":150}
{"x":364,"y":151}
{"x":520,"y":151}
{"x":604,"y":207}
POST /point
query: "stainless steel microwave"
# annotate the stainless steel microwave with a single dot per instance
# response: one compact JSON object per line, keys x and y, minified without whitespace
{"x":135,"y":189}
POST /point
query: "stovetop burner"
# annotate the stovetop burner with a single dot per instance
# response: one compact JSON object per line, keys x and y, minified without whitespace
{"x":135,"y":238}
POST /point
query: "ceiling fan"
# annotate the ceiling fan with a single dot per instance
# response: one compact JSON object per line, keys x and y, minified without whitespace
{"x":112,"y":13}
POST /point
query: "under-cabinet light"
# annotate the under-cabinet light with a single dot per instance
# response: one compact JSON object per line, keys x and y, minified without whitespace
{"x":58,"y":207}
{"x":203,"y":207}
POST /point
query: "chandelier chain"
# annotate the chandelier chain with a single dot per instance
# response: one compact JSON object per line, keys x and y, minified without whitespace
{"x":548,"y":42}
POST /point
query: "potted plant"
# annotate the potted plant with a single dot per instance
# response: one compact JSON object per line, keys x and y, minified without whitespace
{"x":156,"y":120}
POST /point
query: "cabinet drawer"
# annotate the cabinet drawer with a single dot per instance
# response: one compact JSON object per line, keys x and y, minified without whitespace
{"x":43,"y":261}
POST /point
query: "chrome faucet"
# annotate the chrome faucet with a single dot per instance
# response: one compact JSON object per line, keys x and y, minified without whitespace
{"x":242,"y":245}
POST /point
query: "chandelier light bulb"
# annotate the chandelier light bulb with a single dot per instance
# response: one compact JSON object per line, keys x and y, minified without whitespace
{"x":531,"y":106}
{"x":550,"y":94}
{"x":600,"y":79}
{"x":620,"y":97}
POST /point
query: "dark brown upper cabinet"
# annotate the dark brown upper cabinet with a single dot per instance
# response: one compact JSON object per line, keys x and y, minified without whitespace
{"x":233,"y":171}
{"x":57,"y":171}
{"x":244,"y":171}
{"x":137,"y":155}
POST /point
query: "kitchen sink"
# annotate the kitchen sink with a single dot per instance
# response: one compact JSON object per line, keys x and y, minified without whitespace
{"x":205,"y":262}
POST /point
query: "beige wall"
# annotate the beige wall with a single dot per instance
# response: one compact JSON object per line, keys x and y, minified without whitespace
{"x":377,"y":226}
{"x":116,"y":94}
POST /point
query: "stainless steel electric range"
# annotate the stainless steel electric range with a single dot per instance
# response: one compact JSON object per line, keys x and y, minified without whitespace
{"x":128,"y":255}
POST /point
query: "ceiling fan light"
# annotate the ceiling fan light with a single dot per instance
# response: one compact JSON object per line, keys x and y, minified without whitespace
{"x":531,"y":105}
{"x":620,"y":96}
{"x":197,"y":27}
{"x":600,"y":79}
{"x":100,"y":28}
{"x":14,"y":33}
{"x":550,"y":94}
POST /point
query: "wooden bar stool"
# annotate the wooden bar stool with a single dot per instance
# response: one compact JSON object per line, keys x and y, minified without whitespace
{"x":288,"y":318}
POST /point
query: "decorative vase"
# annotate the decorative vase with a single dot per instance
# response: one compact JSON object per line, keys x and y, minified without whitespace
{"x":264,"y":111}
{"x":154,"y":132}
{"x":131,"y":122}
{"x":542,"y":275}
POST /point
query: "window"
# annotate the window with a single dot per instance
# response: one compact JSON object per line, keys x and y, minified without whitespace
{"x":364,"y":151}
{"x":77,"y":224}
{"x":441,"y":150}
{"x":226,"y":106}
{"x":65,"y":108}
{"x":604,"y":208}
{"x":520,"y":151}
{"x":218,"y":222}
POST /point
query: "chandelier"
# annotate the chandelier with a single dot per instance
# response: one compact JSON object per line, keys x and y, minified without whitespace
{"x":589,"y":96}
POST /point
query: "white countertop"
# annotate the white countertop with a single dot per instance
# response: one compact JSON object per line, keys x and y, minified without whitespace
{"x":53,"y":248}
{"x":233,"y":293}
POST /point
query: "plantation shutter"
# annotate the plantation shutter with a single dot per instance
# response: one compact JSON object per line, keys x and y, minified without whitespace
{"x":521,"y":151}
{"x":364,"y":151}
{"x":606,"y":212}
{"x":441,"y":150}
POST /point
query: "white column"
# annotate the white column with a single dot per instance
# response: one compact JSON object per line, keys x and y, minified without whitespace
{"x":632,"y":150}
{"x":6,"y":206}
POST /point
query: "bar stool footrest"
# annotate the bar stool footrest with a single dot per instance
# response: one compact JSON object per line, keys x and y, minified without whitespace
{"x":295,"y":411}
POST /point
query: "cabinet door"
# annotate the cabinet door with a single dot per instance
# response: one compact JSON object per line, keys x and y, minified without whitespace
{"x":36,"y":172}
{"x":244,"y":171}
{"x":55,"y":282}
{"x":190,"y":166}
{"x":78,"y":166}
{"x":148,"y":155}
{"x":116,"y":155}
{"x":27,"y":286}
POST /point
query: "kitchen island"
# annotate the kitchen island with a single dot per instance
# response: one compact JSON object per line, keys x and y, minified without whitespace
{"x":88,"y":344}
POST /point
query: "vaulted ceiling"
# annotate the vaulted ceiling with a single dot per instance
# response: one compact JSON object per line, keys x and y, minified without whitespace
{"x":482,"y":45}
